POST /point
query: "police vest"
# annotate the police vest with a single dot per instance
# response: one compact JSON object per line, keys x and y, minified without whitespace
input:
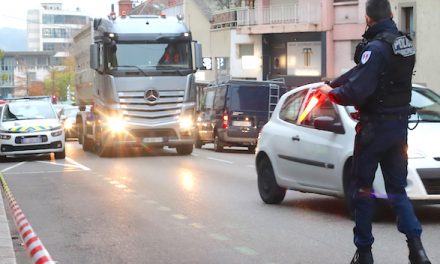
{"x":395,"y":83}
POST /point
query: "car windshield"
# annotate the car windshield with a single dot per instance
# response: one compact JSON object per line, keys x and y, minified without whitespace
{"x":249,"y":98}
{"x":28,"y":110}
{"x":151,"y":55}
{"x":70,"y":112}
{"x":427,"y":103}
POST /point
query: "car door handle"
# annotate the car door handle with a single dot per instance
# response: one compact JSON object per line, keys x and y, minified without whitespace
{"x":295,"y":138}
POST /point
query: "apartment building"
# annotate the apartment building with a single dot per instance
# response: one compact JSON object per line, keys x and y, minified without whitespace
{"x":301,"y":41}
{"x":51,"y":28}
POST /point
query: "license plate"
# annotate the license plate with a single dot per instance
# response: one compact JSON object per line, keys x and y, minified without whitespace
{"x":152,"y":140}
{"x":242,"y":123}
{"x":31,"y":140}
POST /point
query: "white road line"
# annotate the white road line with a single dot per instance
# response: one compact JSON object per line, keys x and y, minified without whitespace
{"x":59,"y":164}
{"x":251,"y":166}
{"x":220,"y":160}
{"x":37,"y":172}
{"x":78,"y":164}
{"x":15,"y":166}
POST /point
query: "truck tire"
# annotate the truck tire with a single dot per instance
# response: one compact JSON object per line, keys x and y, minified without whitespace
{"x":60,"y":155}
{"x":184,"y":149}
{"x":101,"y":149}
{"x":87,"y":144}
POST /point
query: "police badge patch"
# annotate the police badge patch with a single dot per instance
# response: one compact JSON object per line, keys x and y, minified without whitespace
{"x":365,"y":56}
{"x":403,"y":46}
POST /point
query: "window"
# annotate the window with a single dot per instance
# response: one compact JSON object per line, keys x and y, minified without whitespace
{"x":407,"y":24}
{"x":219,"y":101}
{"x":326,"y":109}
{"x":245,"y":50}
{"x":290,"y":109}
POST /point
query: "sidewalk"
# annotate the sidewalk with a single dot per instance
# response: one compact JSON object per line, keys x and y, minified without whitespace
{"x":7,"y":255}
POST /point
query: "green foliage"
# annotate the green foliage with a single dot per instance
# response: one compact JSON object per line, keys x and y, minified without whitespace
{"x":2,"y":54}
{"x":59,"y":79}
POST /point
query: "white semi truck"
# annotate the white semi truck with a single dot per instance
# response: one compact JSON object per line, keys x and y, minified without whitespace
{"x":137,"y":73}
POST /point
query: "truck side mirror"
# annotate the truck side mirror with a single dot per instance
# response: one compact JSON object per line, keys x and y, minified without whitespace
{"x":94,"y":55}
{"x":198,"y":57}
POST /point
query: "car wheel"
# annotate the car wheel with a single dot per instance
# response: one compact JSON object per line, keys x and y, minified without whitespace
{"x":270,"y":191}
{"x":60,"y":155}
{"x":184,"y":149}
{"x":218,"y":146}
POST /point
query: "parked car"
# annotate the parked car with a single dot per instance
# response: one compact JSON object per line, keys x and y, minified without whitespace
{"x":68,"y":119}
{"x":315,"y":155}
{"x":233,"y":113}
{"x":30,"y":126}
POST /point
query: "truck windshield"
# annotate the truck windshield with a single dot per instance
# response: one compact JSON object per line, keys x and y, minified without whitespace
{"x":161,"y":56}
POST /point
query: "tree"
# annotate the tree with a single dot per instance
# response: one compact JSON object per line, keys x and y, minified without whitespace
{"x":2,"y":54}
{"x":59,"y":79}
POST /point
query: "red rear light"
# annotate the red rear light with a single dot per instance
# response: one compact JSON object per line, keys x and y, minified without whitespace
{"x":225,"y":120}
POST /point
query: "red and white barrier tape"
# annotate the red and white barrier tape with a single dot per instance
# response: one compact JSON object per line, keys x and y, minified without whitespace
{"x":33,"y":245}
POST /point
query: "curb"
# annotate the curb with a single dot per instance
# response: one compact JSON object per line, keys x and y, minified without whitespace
{"x":33,"y":245}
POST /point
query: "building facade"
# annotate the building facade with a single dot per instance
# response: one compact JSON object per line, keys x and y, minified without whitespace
{"x":301,"y":41}
{"x":19,"y":71}
{"x":51,"y":29}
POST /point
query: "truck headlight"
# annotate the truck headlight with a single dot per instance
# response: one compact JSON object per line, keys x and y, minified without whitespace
{"x":116,"y":124}
{"x":68,"y":124}
{"x":186,"y":122}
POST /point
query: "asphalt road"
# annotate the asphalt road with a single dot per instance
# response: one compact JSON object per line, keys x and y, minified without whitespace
{"x":203,"y":208}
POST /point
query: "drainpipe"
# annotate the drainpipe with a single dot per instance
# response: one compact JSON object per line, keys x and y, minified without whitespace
{"x":327,"y":18}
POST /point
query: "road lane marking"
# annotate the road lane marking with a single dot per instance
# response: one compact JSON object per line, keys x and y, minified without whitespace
{"x":219,"y":237}
{"x":42,"y":172}
{"x":221,"y":160}
{"x":15,"y":166}
{"x":78,"y":164}
{"x":197,"y":225}
{"x":180,"y":216}
{"x":246,"y":251}
{"x":164,"y":208}
{"x":59,"y":164}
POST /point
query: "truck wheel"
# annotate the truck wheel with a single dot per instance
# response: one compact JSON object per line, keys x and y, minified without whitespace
{"x":80,"y":135}
{"x":101,"y":149}
{"x":87,"y":144}
{"x":218,"y":146}
{"x":184,"y":149}
{"x":60,"y":155}
{"x":270,"y":191}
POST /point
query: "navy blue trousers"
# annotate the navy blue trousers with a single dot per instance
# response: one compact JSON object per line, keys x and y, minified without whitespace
{"x":384,"y":143}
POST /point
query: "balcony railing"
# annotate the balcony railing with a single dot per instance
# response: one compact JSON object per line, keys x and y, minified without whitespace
{"x":297,"y":11}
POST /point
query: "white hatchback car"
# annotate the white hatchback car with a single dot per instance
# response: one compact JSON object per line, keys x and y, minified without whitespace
{"x":315,"y":155}
{"x":30,"y":126}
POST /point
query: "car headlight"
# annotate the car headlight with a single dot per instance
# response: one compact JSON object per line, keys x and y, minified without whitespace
{"x":68,"y":124}
{"x":414,"y":153}
{"x":116,"y":124}
{"x":186,"y":122}
{"x":5,"y":137}
{"x":57,"y":133}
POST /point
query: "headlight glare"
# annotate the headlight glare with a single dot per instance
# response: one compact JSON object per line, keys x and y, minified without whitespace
{"x":116,"y":124}
{"x":186,"y":122}
{"x":68,"y":124}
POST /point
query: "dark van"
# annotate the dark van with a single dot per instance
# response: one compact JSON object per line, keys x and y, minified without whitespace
{"x":233,"y":113}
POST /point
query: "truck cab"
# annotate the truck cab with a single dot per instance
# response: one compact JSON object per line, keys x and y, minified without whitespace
{"x":139,"y":80}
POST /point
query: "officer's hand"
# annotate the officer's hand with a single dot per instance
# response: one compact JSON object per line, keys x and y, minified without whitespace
{"x":325,"y":89}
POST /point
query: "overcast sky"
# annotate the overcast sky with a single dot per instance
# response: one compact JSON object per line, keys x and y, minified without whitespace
{"x":15,"y":16}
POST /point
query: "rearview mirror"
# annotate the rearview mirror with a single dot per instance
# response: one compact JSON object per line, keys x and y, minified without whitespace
{"x":94,"y":54}
{"x":328,"y":123}
{"x":198,"y":55}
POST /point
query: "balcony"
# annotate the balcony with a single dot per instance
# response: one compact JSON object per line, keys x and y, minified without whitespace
{"x":297,"y":16}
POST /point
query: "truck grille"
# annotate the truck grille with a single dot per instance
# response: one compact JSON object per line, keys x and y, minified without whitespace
{"x":168,"y":104}
{"x":431,"y":179}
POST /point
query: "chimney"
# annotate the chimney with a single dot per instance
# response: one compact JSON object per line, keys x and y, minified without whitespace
{"x":125,"y":5}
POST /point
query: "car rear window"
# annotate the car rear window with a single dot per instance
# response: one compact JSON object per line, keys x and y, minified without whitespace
{"x":248,"y":98}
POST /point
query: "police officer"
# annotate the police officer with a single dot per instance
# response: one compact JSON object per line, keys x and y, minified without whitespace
{"x":379,"y":86}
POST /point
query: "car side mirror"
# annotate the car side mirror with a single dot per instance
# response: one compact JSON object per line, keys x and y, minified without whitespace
{"x":328,"y":123}
{"x":63,"y":117}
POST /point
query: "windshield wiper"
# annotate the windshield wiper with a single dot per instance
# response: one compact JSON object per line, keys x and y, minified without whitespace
{"x":133,"y":66}
{"x":172,"y":68}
